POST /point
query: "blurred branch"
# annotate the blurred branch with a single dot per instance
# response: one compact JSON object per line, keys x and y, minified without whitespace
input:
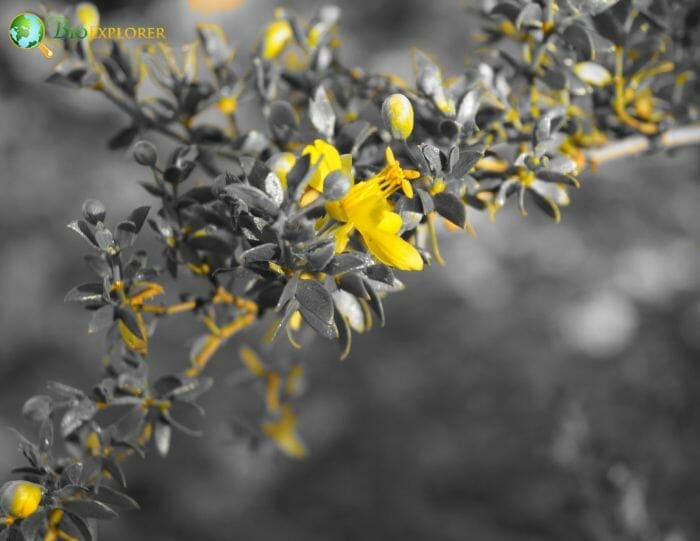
{"x":638,"y":144}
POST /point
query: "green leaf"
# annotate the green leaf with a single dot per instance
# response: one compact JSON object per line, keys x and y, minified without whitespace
{"x":282,"y":120}
{"x":607,"y":25}
{"x":344,"y":333}
{"x":114,"y":469}
{"x":316,"y":307}
{"x":89,"y":509}
{"x":162,"y":435}
{"x":99,"y":266}
{"x":348,"y":262}
{"x":123,"y":138}
{"x":138,"y":217}
{"x":101,"y":319}
{"x":32,"y":526}
{"x":320,"y":255}
{"x":38,"y":408}
{"x":128,"y":318}
{"x":129,"y":425}
{"x":256,"y":200}
{"x":452,"y":208}
{"x":375,"y":303}
{"x":321,"y":113}
{"x":263,"y":252}
{"x":75,"y":416}
{"x":79,"y":527}
{"x":467,"y":160}
{"x":353,"y":283}
{"x":89,"y":294}
{"x":126,"y":234}
{"x":290,"y":289}
{"x":580,"y":40}
{"x":530,"y":16}
{"x":81,"y":227}
{"x":116,"y":499}
{"x":545,"y":204}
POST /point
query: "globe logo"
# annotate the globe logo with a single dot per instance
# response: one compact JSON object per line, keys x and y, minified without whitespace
{"x":26,"y":32}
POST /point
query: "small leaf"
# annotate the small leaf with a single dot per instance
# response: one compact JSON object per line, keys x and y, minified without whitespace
{"x":375,"y":303}
{"x":81,"y":227}
{"x":138,"y":217}
{"x":263,"y":252}
{"x":101,"y":319}
{"x":316,"y":307}
{"x":74,"y":417}
{"x":123,"y":138}
{"x":63,"y":390}
{"x":112,"y":467}
{"x":116,"y":499}
{"x":129,"y":426}
{"x":321,"y":112}
{"x":609,"y":27}
{"x":133,"y":331}
{"x":290,"y":289}
{"x":530,"y":16}
{"x":283,"y":120}
{"x":467,"y":160}
{"x":162,"y":436}
{"x":38,"y":408}
{"x":580,"y":40}
{"x":89,"y":294}
{"x":452,"y":208}
{"x":88,"y":509}
{"x":81,"y":527}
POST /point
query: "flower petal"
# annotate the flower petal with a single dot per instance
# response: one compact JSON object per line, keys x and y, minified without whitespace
{"x":342,"y":236}
{"x":392,"y":250}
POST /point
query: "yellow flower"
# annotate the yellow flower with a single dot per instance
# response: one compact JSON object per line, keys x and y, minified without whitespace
{"x":20,"y":498}
{"x":366,"y":208}
{"x":277,"y":36}
{"x":283,"y":432}
{"x":328,"y":159}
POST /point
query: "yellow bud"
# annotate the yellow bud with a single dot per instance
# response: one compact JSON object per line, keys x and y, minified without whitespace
{"x":87,"y":14}
{"x":281,"y":164}
{"x":277,"y":36}
{"x":20,"y":498}
{"x":227,"y":105}
{"x":593,"y":73}
{"x":397,"y":113}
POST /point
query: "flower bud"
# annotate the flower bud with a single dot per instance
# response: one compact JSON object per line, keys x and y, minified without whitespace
{"x":20,"y":499}
{"x":336,"y":185}
{"x":94,"y":211}
{"x":88,"y":14}
{"x":145,"y":153}
{"x":397,"y":113}
{"x":281,"y":164}
{"x":277,"y":35}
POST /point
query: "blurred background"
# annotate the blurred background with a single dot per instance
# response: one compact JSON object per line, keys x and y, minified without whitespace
{"x":544,"y":385}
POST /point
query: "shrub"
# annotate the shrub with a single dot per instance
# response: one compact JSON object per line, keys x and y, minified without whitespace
{"x":306,"y":219}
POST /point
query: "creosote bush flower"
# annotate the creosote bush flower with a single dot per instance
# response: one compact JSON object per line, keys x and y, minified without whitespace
{"x":366,"y":208}
{"x":302,"y":222}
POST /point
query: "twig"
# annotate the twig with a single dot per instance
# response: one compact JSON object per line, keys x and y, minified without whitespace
{"x":638,"y":144}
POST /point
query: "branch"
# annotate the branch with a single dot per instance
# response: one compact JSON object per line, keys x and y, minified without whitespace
{"x":638,"y":144}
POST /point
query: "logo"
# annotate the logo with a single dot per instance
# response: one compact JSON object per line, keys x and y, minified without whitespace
{"x":27,"y":31}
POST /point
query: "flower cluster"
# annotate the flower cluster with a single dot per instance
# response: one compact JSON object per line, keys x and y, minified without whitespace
{"x":300,"y":223}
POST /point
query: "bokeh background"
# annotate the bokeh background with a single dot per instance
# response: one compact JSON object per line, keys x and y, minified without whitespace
{"x":544,"y":385}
